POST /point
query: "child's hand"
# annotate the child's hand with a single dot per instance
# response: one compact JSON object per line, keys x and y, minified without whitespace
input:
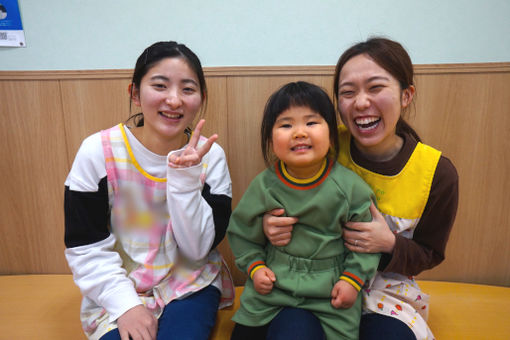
{"x":263,"y":280}
{"x":191,"y":156}
{"x":343,"y":295}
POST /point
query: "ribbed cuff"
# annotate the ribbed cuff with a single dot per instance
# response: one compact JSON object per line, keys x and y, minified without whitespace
{"x":354,"y":280}
{"x":254,"y":267}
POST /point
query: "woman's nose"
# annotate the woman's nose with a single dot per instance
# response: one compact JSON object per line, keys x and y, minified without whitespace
{"x":362,"y":101}
{"x":173,"y":99}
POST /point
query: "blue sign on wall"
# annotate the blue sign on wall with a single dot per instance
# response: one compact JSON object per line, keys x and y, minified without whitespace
{"x":11,"y":29}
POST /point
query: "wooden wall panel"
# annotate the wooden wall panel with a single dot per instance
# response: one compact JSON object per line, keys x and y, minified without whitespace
{"x":34,"y":163}
{"x":216,"y":112}
{"x":467,"y":117}
{"x":91,"y":105}
{"x":463,"y":110}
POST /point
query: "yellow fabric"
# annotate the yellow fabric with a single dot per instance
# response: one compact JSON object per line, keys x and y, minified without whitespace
{"x":352,"y":282}
{"x":305,"y":180}
{"x":405,"y":194}
{"x":133,"y":159}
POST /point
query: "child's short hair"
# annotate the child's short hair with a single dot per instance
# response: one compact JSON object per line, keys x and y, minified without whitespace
{"x":297,"y":94}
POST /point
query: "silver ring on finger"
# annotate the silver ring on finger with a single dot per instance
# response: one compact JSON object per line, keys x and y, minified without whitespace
{"x":356,"y":243}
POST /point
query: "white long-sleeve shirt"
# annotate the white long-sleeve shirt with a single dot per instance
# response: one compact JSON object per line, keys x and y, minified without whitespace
{"x":199,"y":211}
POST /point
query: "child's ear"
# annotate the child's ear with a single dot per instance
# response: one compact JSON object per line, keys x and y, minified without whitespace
{"x":134,"y":93}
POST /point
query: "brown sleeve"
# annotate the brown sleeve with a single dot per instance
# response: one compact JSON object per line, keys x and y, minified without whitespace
{"x":427,"y":247}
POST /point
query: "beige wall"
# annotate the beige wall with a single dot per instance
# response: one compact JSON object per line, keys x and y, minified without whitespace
{"x":463,"y":110}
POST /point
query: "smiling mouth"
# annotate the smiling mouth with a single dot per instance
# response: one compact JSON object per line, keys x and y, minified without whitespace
{"x":171,"y":115}
{"x":367,"y":123}
{"x":300,"y":147}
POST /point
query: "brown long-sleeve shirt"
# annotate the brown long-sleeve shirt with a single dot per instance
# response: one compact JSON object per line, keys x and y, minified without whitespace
{"x":427,"y":247}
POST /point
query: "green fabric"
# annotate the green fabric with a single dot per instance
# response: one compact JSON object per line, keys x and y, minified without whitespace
{"x":301,"y":287}
{"x":308,"y":267}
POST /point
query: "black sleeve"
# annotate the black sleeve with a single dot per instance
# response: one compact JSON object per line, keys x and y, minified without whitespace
{"x":86,"y":216}
{"x":222,"y":208}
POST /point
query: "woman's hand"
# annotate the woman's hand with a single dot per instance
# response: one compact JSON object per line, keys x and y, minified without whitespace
{"x":137,"y":324}
{"x":191,"y":156}
{"x":369,"y":237}
{"x":278,"y":229}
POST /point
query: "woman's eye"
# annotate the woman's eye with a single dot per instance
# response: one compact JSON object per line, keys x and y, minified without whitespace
{"x":159,"y":86}
{"x":347,"y":93}
{"x":375,"y":87}
{"x":286,"y":126}
{"x":311,"y":123}
{"x":189,"y":90}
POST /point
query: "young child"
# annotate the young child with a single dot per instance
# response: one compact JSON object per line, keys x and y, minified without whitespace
{"x":145,"y":206}
{"x":315,"y":271}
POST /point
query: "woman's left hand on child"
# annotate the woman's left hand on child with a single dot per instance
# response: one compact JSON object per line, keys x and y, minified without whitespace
{"x":369,"y":237}
{"x":192,"y":155}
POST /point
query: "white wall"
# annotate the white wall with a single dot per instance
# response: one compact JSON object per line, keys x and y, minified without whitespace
{"x":107,"y":34}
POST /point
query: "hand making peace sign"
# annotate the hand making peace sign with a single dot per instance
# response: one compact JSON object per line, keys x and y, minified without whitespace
{"x":192,"y":155}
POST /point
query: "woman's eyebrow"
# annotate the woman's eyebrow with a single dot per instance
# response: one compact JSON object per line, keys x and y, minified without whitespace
{"x":159,"y":77}
{"x":347,"y":83}
{"x":189,"y":80}
{"x":374,"y":78}
{"x":166,"y":79}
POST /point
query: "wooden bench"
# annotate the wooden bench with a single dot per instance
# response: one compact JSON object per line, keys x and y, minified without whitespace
{"x":47,"y":307}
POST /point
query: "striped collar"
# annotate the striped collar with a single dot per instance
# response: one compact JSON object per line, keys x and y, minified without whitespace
{"x":307,"y":183}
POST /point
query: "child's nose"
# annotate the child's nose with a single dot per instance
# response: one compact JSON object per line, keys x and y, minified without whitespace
{"x":299,"y":133}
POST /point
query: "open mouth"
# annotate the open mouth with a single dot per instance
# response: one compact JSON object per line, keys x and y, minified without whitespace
{"x":367,"y":123}
{"x":171,"y":115}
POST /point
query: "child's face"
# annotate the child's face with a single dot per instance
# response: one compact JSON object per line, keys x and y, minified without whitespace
{"x":300,"y":138}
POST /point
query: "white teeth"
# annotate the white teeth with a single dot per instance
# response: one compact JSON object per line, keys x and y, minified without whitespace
{"x":301,"y":147}
{"x":366,"y":120}
{"x":367,"y":123}
{"x":172,"y":116}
